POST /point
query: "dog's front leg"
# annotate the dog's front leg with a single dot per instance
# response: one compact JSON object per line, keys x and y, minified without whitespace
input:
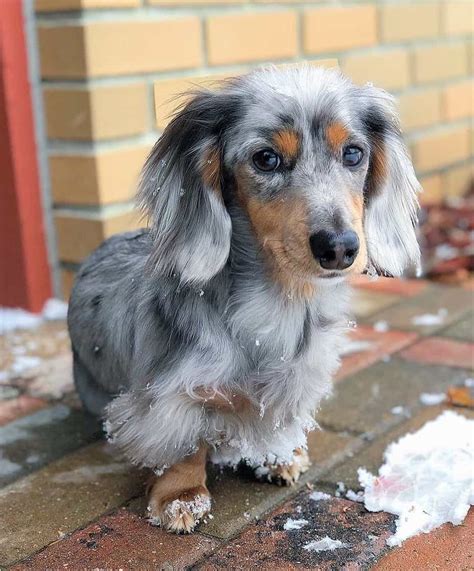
{"x":289,"y":473}
{"x":179,"y":498}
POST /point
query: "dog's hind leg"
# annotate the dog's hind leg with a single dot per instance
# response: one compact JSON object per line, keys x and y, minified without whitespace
{"x":92,"y":396}
{"x":179,"y":498}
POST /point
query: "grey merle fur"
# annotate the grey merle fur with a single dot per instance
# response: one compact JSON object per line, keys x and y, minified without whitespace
{"x":190,"y":302}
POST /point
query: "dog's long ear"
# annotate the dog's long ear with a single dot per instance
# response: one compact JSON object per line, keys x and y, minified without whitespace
{"x":180,"y":190}
{"x":391,"y":189}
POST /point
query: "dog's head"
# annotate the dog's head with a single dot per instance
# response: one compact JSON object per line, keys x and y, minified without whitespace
{"x":317,"y":165}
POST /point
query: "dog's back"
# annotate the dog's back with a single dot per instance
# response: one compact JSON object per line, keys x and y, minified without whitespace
{"x":102,"y":313}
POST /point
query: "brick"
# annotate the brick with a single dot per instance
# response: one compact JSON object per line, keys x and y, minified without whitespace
{"x":102,"y":178}
{"x":439,"y":62}
{"x":166,"y":92}
{"x":67,"y":5}
{"x":448,"y":547}
{"x":365,"y":303}
{"x":442,"y":148}
{"x":371,"y":456}
{"x":26,"y":442}
{"x":458,"y":100}
{"x":392,"y":286}
{"x":78,"y":235}
{"x":67,"y":280}
{"x":180,"y":3}
{"x":462,"y":330}
{"x":16,"y":408}
{"x":122,"y":540}
{"x":409,"y":21}
{"x":439,"y":351}
{"x":433,"y":189}
{"x":64,"y":496}
{"x":98,"y":48}
{"x":96,"y":113}
{"x":240,"y":38}
{"x":238,"y":500}
{"x":420,"y":109}
{"x":388,"y":69}
{"x":339,"y":28}
{"x":458,"y":17}
{"x":455,"y":301}
{"x":268,"y":546}
{"x":458,"y":180}
{"x":363,"y":402}
{"x":381,"y":345}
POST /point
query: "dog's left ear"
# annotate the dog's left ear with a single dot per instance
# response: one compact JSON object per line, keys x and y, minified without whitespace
{"x":181,"y":190}
{"x":391,"y":189}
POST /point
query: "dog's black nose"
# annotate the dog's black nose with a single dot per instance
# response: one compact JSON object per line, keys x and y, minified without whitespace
{"x":335,"y":251}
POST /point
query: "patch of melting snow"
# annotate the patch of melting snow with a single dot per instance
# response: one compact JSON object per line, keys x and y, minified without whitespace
{"x":351,"y":347}
{"x":325,"y":544}
{"x":318,"y":496}
{"x":15,"y":318}
{"x":22,"y":364}
{"x":400,"y":411}
{"x":341,"y":488}
{"x":432,"y":399}
{"x":355,"y":496}
{"x":430,"y":319}
{"x":381,"y":326}
{"x":427,"y":478}
{"x":292,"y":524}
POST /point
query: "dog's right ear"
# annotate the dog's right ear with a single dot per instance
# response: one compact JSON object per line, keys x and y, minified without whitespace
{"x":181,"y":189}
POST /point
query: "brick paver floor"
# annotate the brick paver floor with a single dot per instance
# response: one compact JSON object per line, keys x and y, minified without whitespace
{"x":68,"y":502}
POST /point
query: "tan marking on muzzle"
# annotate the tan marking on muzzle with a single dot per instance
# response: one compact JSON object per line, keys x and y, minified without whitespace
{"x":281,"y":228}
{"x":336,"y":135}
{"x":287,"y":142}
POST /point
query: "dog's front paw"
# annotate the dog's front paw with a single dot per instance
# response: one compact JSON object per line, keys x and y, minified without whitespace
{"x":287,"y":474}
{"x":182,"y":513}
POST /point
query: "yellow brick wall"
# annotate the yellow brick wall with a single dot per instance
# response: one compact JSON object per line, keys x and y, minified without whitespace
{"x":111,"y":67}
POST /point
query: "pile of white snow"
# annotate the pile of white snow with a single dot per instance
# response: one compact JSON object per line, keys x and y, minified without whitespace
{"x":427,"y":479}
{"x":13,"y":318}
{"x":325,"y":544}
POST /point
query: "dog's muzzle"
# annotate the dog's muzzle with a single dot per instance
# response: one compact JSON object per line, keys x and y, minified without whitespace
{"x":335,"y":251}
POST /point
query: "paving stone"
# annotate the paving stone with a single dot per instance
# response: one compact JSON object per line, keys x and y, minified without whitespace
{"x":366,"y":303}
{"x":462,"y":330}
{"x":267,"y":545}
{"x":363,"y":403}
{"x":35,"y":440}
{"x":455,"y":301}
{"x":122,"y":541}
{"x":393,"y":286}
{"x":371,"y":456}
{"x":19,"y":407}
{"x":439,"y":351}
{"x":238,"y":498}
{"x":62,"y":497}
{"x":448,"y":547}
{"x":382,"y":344}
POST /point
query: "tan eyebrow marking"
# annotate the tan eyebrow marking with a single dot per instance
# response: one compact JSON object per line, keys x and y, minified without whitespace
{"x":287,"y":142}
{"x":336,"y":135}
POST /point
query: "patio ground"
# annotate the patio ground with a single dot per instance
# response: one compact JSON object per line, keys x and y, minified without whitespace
{"x":68,"y":503}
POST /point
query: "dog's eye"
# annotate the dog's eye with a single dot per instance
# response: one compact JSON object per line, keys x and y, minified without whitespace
{"x":266,"y":160}
{"x":352,"y":156}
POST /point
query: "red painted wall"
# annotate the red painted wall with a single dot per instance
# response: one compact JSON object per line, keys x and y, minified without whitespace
{"x":25,"y":279}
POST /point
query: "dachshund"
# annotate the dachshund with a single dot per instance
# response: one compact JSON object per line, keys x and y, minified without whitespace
{"x":214,"y":332}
